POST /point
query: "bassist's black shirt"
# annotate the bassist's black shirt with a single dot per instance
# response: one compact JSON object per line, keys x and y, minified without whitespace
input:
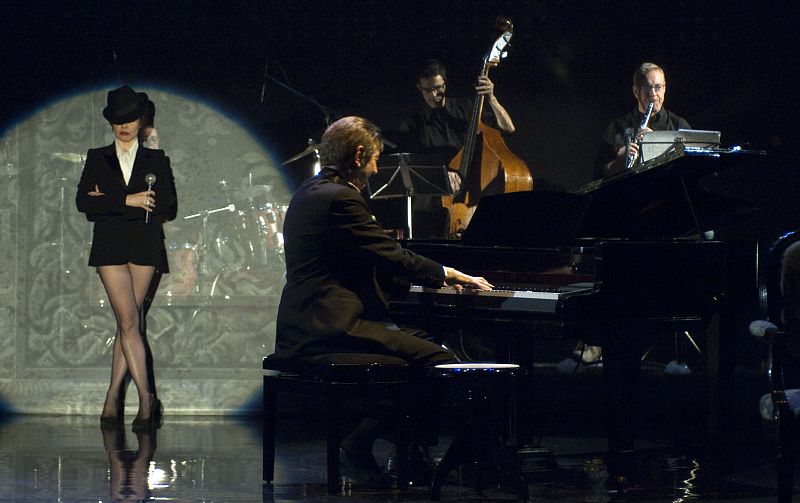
{"x":437,"y":129}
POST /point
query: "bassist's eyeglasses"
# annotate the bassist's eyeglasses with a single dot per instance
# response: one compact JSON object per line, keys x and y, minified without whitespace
{"x":434,"y":89}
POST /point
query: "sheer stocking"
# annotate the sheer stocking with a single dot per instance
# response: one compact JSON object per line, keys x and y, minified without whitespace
{"x":126,"y":286}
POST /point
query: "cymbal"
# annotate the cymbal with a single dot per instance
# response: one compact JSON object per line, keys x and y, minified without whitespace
{"x":313,"y":148}
{"x":248,"y":191}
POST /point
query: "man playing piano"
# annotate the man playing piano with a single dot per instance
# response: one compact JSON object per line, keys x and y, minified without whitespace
{"x":620,"y":139}
{"x":339,"y":269}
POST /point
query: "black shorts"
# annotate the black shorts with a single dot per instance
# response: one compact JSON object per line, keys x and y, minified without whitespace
{"x":116,"y":242}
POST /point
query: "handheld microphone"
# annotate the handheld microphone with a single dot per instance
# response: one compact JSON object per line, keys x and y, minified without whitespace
{"x":149,"y":179}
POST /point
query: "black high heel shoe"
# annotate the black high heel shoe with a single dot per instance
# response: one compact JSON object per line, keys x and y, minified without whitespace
{"x":159,"y":411}
{"x":113,"y":422}
{"x":152,"y":421}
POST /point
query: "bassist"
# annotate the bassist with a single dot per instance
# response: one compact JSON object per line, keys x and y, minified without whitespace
{"x":440,"y":126}
{"x":442,"y":122}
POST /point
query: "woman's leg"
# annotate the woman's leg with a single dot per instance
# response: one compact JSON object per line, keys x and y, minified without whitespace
{"x":126,"y":286}
{"x":119,"y":369}
{"x":145,"y":284}
{"x":145,"y":307}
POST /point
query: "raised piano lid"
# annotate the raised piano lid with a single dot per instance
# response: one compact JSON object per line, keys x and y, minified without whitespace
{"x":668,"y":197}
{"x":534,"y":219}
{"x":700,"y":161}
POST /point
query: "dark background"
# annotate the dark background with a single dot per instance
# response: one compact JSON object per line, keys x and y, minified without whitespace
{"x":730,"y":66}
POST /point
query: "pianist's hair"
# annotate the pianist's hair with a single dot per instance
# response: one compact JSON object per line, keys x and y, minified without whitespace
{"x":640,"y":75}
{"x":342,"y":138}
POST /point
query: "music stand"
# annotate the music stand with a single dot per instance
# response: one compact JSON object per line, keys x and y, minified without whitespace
{"x":658,"y":143}
{"x":411,"y":176}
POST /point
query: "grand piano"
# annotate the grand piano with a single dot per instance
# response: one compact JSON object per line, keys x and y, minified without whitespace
{"x":611,"y":263}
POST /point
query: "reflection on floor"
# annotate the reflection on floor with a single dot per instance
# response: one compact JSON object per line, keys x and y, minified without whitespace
{"x":204,"y":459}
{"x":216,"y":459}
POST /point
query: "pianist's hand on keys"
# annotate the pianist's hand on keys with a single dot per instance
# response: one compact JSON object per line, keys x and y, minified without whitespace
{"x":458,"y":280}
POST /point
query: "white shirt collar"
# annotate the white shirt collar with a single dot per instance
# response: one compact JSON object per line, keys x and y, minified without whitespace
{"x":126,"y":158}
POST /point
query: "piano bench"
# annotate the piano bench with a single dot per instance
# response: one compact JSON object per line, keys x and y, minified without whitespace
{"x":486,"y":434}
{"x":331,"y":384}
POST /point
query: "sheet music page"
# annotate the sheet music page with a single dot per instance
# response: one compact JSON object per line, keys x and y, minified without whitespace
{"x":660,"y":142}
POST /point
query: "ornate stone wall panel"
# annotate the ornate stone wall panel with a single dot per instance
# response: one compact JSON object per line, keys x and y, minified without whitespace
{"x":9,"y":161}
{"x":213,"y":316}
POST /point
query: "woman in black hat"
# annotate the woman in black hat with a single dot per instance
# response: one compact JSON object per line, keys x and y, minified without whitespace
{"x":126,"y":190}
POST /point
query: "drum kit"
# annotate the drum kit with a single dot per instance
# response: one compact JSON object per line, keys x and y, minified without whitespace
{"x":234,"y":240}
{"x":245,"y":234}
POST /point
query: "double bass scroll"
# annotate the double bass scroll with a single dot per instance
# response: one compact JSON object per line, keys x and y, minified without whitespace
{"x":485,"y":163}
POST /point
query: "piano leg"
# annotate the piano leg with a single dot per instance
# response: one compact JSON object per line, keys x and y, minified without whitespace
{"x":722,"y":337}
{"x":621,"y":375}
{"x":726,"y":327}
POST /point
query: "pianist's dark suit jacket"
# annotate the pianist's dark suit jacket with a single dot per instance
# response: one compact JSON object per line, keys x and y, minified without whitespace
{"x":339,"y":265}
{"x":120,"y":233}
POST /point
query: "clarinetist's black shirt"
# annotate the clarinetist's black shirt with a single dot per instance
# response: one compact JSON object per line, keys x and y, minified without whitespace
{"x":614,"y":136}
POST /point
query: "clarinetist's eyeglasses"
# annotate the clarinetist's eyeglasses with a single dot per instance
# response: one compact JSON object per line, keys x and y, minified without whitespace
{"x":657,"y":88}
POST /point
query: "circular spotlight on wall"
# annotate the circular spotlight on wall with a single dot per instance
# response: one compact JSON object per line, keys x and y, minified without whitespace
{"x":212,"y":314}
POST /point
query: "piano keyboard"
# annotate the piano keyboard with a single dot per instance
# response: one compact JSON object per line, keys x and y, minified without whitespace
{"x":532,"y":298}
{"x":520,"y":292}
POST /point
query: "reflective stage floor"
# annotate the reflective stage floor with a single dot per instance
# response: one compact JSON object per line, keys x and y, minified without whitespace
{"x":213,"y":459}
{"x":218,"y":459}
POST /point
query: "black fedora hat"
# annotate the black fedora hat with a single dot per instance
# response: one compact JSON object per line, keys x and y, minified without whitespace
{"x":124,"y":105}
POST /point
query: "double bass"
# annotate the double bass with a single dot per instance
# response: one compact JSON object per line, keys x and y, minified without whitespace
{"x":485,"y":163}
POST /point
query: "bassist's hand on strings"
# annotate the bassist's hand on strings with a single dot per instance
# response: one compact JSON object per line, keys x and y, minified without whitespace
{"x":455,"y":181}
{"x":485,"y":86}
{"x":458,"y":280}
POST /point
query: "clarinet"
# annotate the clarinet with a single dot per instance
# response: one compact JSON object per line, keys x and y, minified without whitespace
{"x":645,"y":120}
